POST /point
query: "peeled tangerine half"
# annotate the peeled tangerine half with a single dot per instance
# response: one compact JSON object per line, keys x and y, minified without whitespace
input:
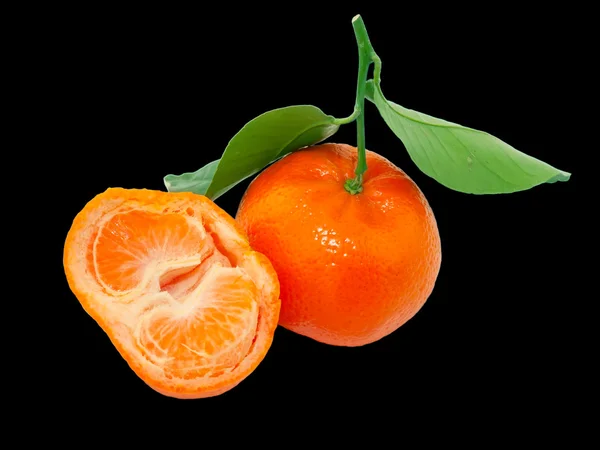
{"x":173,"y":282}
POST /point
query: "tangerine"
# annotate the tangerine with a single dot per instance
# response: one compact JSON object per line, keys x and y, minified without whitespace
{"x":174,"y":283}
{"x":352,"y":268}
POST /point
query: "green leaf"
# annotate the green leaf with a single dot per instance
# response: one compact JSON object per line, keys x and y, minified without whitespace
{"x":461,"y":158}
{"x":197,"y":182}
{"x":261,"y":141}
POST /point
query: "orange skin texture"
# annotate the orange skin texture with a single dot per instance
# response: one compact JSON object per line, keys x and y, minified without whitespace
{"x":352,"y":268}
{"x":259,"y":267}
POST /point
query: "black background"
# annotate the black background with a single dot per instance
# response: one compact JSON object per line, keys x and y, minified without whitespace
{"x":146,"y":93}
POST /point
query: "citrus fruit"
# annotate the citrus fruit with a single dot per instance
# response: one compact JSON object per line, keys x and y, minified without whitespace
{"x":175,"y":285}
{"x":352,"y":268}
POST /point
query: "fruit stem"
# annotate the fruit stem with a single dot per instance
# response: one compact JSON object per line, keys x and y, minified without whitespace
{"x":366,"y":55}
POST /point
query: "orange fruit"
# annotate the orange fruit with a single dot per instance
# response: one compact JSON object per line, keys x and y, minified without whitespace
{"x":352,"y":268}
{"x":173,"y":282}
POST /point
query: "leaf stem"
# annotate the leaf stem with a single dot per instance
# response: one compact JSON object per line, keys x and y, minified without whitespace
{"x":346,"y":120}
{"x":377,"y":70}
{"x":366,"y":55}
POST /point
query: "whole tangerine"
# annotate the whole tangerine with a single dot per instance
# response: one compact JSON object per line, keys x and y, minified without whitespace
{"x":352,"y":268}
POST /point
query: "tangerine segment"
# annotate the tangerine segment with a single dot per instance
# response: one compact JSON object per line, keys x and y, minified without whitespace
{"x":207,"y":334}
{"x":173,"y":282}
{"x":129,"y":242}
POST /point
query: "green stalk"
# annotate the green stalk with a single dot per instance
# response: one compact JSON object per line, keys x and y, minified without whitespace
{"x":366,"y":55}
